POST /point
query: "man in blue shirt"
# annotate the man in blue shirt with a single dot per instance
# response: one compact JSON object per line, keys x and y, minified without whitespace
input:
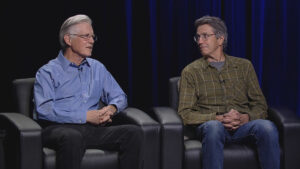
{"x":67,"y":92}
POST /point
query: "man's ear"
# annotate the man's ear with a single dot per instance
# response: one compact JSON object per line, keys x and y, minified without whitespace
{"x":221,"y":40}
{"x":67,"y":39}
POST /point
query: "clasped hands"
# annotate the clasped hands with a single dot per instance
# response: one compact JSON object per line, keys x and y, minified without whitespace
{"x":233,"y":119}
{"x":101,"y":116}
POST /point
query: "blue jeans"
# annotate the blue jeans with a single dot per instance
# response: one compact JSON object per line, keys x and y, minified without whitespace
{"x":264,"y":135}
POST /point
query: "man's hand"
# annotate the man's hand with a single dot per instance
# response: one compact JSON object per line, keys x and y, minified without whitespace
{"x":106,"y":113}
{"x":92,"y":116}
{"x":244,"y":118}
{"x":233,"y":119}
{"x":100,"y":116}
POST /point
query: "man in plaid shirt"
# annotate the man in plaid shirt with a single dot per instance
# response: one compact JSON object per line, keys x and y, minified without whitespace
{"x":220,"y":96}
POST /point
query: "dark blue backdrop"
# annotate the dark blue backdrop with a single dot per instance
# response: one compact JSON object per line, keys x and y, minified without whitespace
{"x":263,"y":31}
{"x":145,"y":42}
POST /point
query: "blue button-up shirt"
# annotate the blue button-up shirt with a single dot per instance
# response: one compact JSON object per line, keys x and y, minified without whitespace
{"x":64,"y":92}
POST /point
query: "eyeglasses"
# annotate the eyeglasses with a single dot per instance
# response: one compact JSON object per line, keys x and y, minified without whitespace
{"x":86,"y":37}
{"x":204,"y":36}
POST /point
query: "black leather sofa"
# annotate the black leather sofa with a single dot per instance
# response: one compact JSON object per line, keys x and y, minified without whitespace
{"x":22,"y":143}
{"x":180,"y":150}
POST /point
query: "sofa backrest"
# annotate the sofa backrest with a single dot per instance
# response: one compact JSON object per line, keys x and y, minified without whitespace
{"x":174,"y":92}
{"x":23,"y":95}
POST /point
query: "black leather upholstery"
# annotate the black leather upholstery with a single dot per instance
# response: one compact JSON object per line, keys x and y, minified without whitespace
{"x":2,"y":162}
{"x":93,"y":159}
{"x":23,"y":147}
{"x":180,"y":150}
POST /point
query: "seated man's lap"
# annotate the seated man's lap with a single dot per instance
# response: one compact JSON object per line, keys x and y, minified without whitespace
{"x":90,"y":136}
{"x":247,"y":133}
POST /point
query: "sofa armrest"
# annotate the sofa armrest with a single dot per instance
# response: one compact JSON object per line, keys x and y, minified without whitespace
{"x":288,"y":124}
{"x":137,"y":116}
{"x":23,"y":144}
{"x":151,"y":134}
{"x":171,"y":137}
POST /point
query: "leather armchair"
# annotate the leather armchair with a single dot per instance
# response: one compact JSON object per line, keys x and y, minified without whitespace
{"x":180,"y":149}
{"x":23,"y":147}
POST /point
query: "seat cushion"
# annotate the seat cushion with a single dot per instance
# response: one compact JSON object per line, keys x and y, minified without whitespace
{"x":93,"y":159}
{"x":236,"y":156}
{"x":192,"y":154}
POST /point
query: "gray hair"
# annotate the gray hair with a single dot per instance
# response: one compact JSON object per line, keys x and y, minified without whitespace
{"x":217,"y":24}
{"x":67,"y":25}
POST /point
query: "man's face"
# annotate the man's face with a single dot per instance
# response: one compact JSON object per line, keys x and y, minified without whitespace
{"x":81,"y":39}
{"x":207,"y":41}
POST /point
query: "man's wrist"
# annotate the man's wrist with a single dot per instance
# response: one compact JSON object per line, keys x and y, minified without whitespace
{"x":113,"y":108}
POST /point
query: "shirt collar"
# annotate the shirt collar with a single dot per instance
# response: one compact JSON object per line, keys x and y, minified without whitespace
{"x":228,"y":62}
{"x":65,"y":63}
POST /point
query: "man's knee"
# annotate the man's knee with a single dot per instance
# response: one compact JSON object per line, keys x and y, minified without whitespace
{"x":212,"y":129}
{"x":266,"y":128}
{"x":213,"y":126}
{"x":69,"y":137}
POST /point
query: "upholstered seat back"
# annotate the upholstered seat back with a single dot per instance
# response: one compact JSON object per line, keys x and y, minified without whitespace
{"x":23,"y":95}
{"x":174,"y":92}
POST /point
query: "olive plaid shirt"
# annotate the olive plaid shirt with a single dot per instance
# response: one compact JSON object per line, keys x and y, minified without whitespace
{"x":205,"y":91}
